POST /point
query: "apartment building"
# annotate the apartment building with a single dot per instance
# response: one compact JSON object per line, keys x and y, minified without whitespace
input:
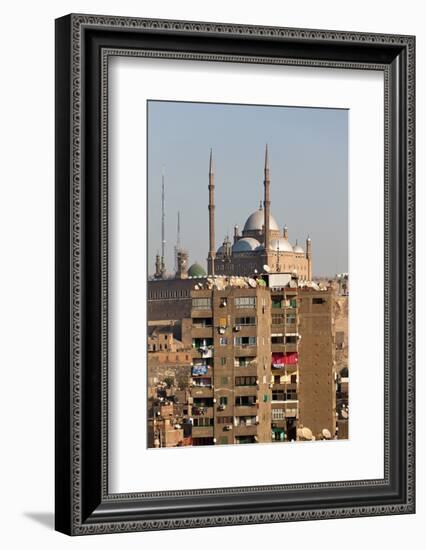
{"x":284,"y":363}
{"x":231,"y":372}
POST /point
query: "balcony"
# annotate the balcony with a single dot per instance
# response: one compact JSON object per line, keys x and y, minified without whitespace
{"x":245,"y":410}
{"x":202,"y":431}
{"x":292,"y":347}
{"x":291,"y":328}
{"x":202,"y":411}
{"x":203,"y":352}
{"x":278,"y":348}
{"x":245,"y":362}
{"x":243,"y":349}
{"x":288,"y":386}
{"x":243,"y":429}
{"x":201,"y":391}
{"x":199,"y":331}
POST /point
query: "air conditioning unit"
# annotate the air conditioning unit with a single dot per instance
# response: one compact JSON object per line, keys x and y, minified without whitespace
{"x":228,"y":427}
{"x":222,"y":407}
{"x":237,"y":328}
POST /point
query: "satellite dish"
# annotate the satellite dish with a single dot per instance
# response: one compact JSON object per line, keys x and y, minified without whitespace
{"x":326,"y":433}
{"x":267,"y":268}
{"x":252,"y":283}
{"x":306,"y":434}
{"x":345,"y":414}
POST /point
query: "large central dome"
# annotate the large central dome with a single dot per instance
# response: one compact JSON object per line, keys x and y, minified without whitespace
{"x":256,"y":220}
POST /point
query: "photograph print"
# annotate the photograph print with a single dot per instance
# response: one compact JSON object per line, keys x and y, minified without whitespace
{"x":248,"y":279}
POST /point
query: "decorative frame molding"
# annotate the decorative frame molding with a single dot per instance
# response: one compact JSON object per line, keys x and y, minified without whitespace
{"x":84,"y":44}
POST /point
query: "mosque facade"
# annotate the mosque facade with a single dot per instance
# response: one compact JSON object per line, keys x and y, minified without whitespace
{"x":250,"y":250}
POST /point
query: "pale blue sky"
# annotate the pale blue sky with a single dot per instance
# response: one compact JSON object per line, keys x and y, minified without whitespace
{"x":308,"y":152}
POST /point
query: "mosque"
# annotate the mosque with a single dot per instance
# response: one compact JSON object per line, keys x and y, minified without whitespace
{"x":250,"y":250}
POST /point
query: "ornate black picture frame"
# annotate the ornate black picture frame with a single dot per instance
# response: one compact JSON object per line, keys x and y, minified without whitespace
{"x":83,"y":45}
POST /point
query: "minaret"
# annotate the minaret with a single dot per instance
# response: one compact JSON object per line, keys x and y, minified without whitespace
{"x":157,"y":273}
{"x":182,"y":261}
{"x":285,"y":232}
{"x":177,"y":247}
{"x":266,"y":201}
{"x":309,"y":257}
{"x":163,"y":234}
{"x":212,"y":245}
{"x":236,"y":233}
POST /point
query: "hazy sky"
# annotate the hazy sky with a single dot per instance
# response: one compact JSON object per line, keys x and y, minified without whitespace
{"x":308,"y":155}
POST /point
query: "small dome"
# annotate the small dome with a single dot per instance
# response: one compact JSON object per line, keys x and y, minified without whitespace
{"x":281,"y":244}
{"x":255,"y":222}
{"x":297,"y":248}
{"x":220,"y":250}
{"x":246,"y":244}
{"x":196,"y":270}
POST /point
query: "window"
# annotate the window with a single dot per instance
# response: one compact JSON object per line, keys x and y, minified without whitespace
{"x":245,"y":439}
{"x":278,"y":395}
{"x":293,"y":303}
{"x":201,"y":303}
{"x":276,"y":302}
{"x":290,"y":318}
{"x":202,"y":382}
{"x":244,"y":361}
{"x":245,"y":340}
{"x":245,"y":321}
{"x":224,"y":380}
{"x":202,"y":322}
{"x":203,"y":402}
{"x":293,"y":378}
{"x":245,"y":400}
{"x":223,"y":400}
{"x":291,"y":340}
{"x":202,"y":342}
{"x":223,"y":341}
{"x":277,"y":319}
{"x":245,"y":380}
{"x":291,"y":395}
{"x":202,"y":422}
{"x":277,"y":379}
{"x":245,"y":420}
{"x":277,"y":340}
{"x":225,"y":419}
{"x":278,"y":414}
{"x":223,"y":361}
{"x":245,"y":302}
{"x":317,"y":301}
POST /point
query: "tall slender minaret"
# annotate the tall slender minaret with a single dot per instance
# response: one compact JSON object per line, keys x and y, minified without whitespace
{"x":163,"y":234}
{"x":309,"y":257}
{"x":212,"y":240}
{"x":266,"y":201}
{"x":285,"y":232}
{"x":177,"y":246}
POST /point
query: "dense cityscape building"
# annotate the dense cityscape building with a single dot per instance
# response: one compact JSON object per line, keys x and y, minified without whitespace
{"x":246,"y":351}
